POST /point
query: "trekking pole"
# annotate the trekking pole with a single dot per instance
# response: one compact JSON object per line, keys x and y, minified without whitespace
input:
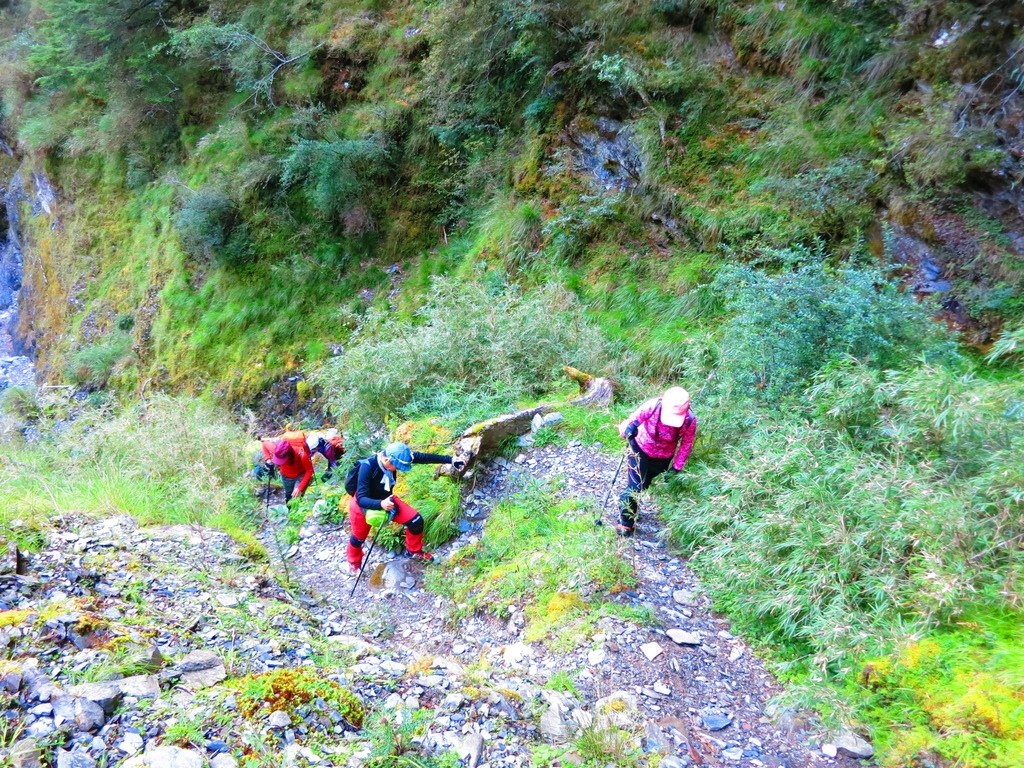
{"x":366,"y":560}
{"x":600,"y":510}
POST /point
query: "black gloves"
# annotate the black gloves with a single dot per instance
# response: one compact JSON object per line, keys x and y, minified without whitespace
{"x":632,"y":430}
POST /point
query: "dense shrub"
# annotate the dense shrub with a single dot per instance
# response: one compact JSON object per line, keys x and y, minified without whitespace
{"x":210,"y":226}
{"x":892,"y":509}
{"x":500,"y":343}
{"x":335,"y":174}
{"x":786,"y":327}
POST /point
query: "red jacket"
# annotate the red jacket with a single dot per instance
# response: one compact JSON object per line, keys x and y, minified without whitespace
{"x":299,"y":465}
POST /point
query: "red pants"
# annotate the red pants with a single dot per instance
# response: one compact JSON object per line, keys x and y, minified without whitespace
{"x":361,"y":529}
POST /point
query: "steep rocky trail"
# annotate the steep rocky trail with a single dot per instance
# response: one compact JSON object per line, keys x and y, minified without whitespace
{"x":694,"y":690}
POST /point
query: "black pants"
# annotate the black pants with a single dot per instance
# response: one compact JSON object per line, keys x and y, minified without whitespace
{"x":289,"y":484}
{"x":641,"y":470}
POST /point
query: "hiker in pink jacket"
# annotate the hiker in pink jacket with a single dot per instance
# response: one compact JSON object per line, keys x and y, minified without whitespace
{"x":660,"y":435}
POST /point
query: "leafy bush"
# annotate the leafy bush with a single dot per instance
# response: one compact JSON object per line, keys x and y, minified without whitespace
{"x":786,"y":327}
{"x":498,"y":342}
{"x":210,"y":226}
{"x":93,"y":365}
{"x":335,"y":174}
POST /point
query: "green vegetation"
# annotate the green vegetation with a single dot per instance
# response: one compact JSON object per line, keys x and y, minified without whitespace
{"x":430,"y":207}
{"x":291,"y":688}
{"x":958,"y":692}
{"x":546,"y":555}
{"x":484,"y":338}
{"x":167,"y":461}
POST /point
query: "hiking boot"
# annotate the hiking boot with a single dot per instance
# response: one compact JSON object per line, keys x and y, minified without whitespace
{"x":623,"y":530}
{"x":352,"y":571}
{"x":425,"y":557}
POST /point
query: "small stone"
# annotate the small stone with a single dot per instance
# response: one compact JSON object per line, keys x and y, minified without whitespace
{"x":670,"y":761}
{"x":735,"y":653}
{"x":227,"y":599}
{"x":733,"y":753}
{"x":682,"y":637}
{"x":829,"y":750}
{"x":683,"y":597}
{"x":279,"y":719}
{"x":651,"y":650}
{"x":715,"y":721}
{"x":166,"y":757}
{"x":471,"y":749}
{"x":850,"y":744}
{"x":76,"y":758}
{"x":664,"y":690}
{"x":596,"y":656}
{"x":85,"y":715}
{"x":453,"y":702}
{"x":130,"y":743}
{"x":224,"y":760}
{"x":107,"y":695}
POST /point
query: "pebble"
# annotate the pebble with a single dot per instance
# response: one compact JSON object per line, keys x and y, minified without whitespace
{"x":651,"y":650}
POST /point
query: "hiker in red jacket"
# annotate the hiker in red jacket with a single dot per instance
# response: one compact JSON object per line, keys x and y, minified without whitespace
{"x":660,"y":435}
{"x":290,"y":454}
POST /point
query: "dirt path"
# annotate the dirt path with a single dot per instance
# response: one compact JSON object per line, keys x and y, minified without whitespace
{"x":701,"y":696}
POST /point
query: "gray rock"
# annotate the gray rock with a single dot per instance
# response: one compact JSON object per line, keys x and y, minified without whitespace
{"x":471,"y":749}
{"x":76,"y":758}
{"x":850,"y":744}
{"x":714,"y":720}
{"x":107,"y":695}
{"x":25,"y":753}
{"x":130,"y":743}
{"x":556,"y":725}
{"x":682,"y":637}
{"x":41,"y":728}
{"x":86,"y":716}
{"x":224,"y":760}
{"x":279,"y":719}
{"x":670,"y":761}
{"x":139,"y":686}
{"x":733,"y":753}
{"x":651,"y":650}
{"x":683,"y":597}
{"x":200,"y":669}
{"x":655,"y":739}
{"x":166,"y":757}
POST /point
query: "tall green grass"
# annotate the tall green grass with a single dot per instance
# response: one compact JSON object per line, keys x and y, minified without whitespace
{"x":168,"y":461}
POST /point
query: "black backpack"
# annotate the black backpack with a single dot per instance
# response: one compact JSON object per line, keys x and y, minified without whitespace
{"x":352,"y":478}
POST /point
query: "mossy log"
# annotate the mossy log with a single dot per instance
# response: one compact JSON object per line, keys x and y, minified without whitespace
{"x":596,"y":391}
{"x":485,"y":439}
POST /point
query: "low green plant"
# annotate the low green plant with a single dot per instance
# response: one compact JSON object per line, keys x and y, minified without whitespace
{"x":391,"y":741}
{"x":543,"y":553}
{"x":211,"y":228}
{"x":93,"y":365}
{"x":186,"y":732}
{"x":289,"y":689}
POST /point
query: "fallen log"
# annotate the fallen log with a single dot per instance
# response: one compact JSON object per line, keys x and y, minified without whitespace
{"x":486,"y":438}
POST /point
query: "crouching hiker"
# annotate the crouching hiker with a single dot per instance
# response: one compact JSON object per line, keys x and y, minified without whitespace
{"x":371,"y":483}
{"x":660,"y":435}
{"x":331,"y":446}
{"x":290,"y":454}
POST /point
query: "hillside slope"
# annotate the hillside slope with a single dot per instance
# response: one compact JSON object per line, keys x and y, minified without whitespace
{"x":405,"y":217}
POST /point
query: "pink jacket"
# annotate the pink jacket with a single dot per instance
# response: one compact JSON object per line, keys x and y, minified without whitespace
{"x":658,"y":440}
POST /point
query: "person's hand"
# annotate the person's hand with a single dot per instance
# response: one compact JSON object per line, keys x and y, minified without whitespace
{"x":296,"y":493}
{"x":269,"y":465}
{"x":387,"y":504}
